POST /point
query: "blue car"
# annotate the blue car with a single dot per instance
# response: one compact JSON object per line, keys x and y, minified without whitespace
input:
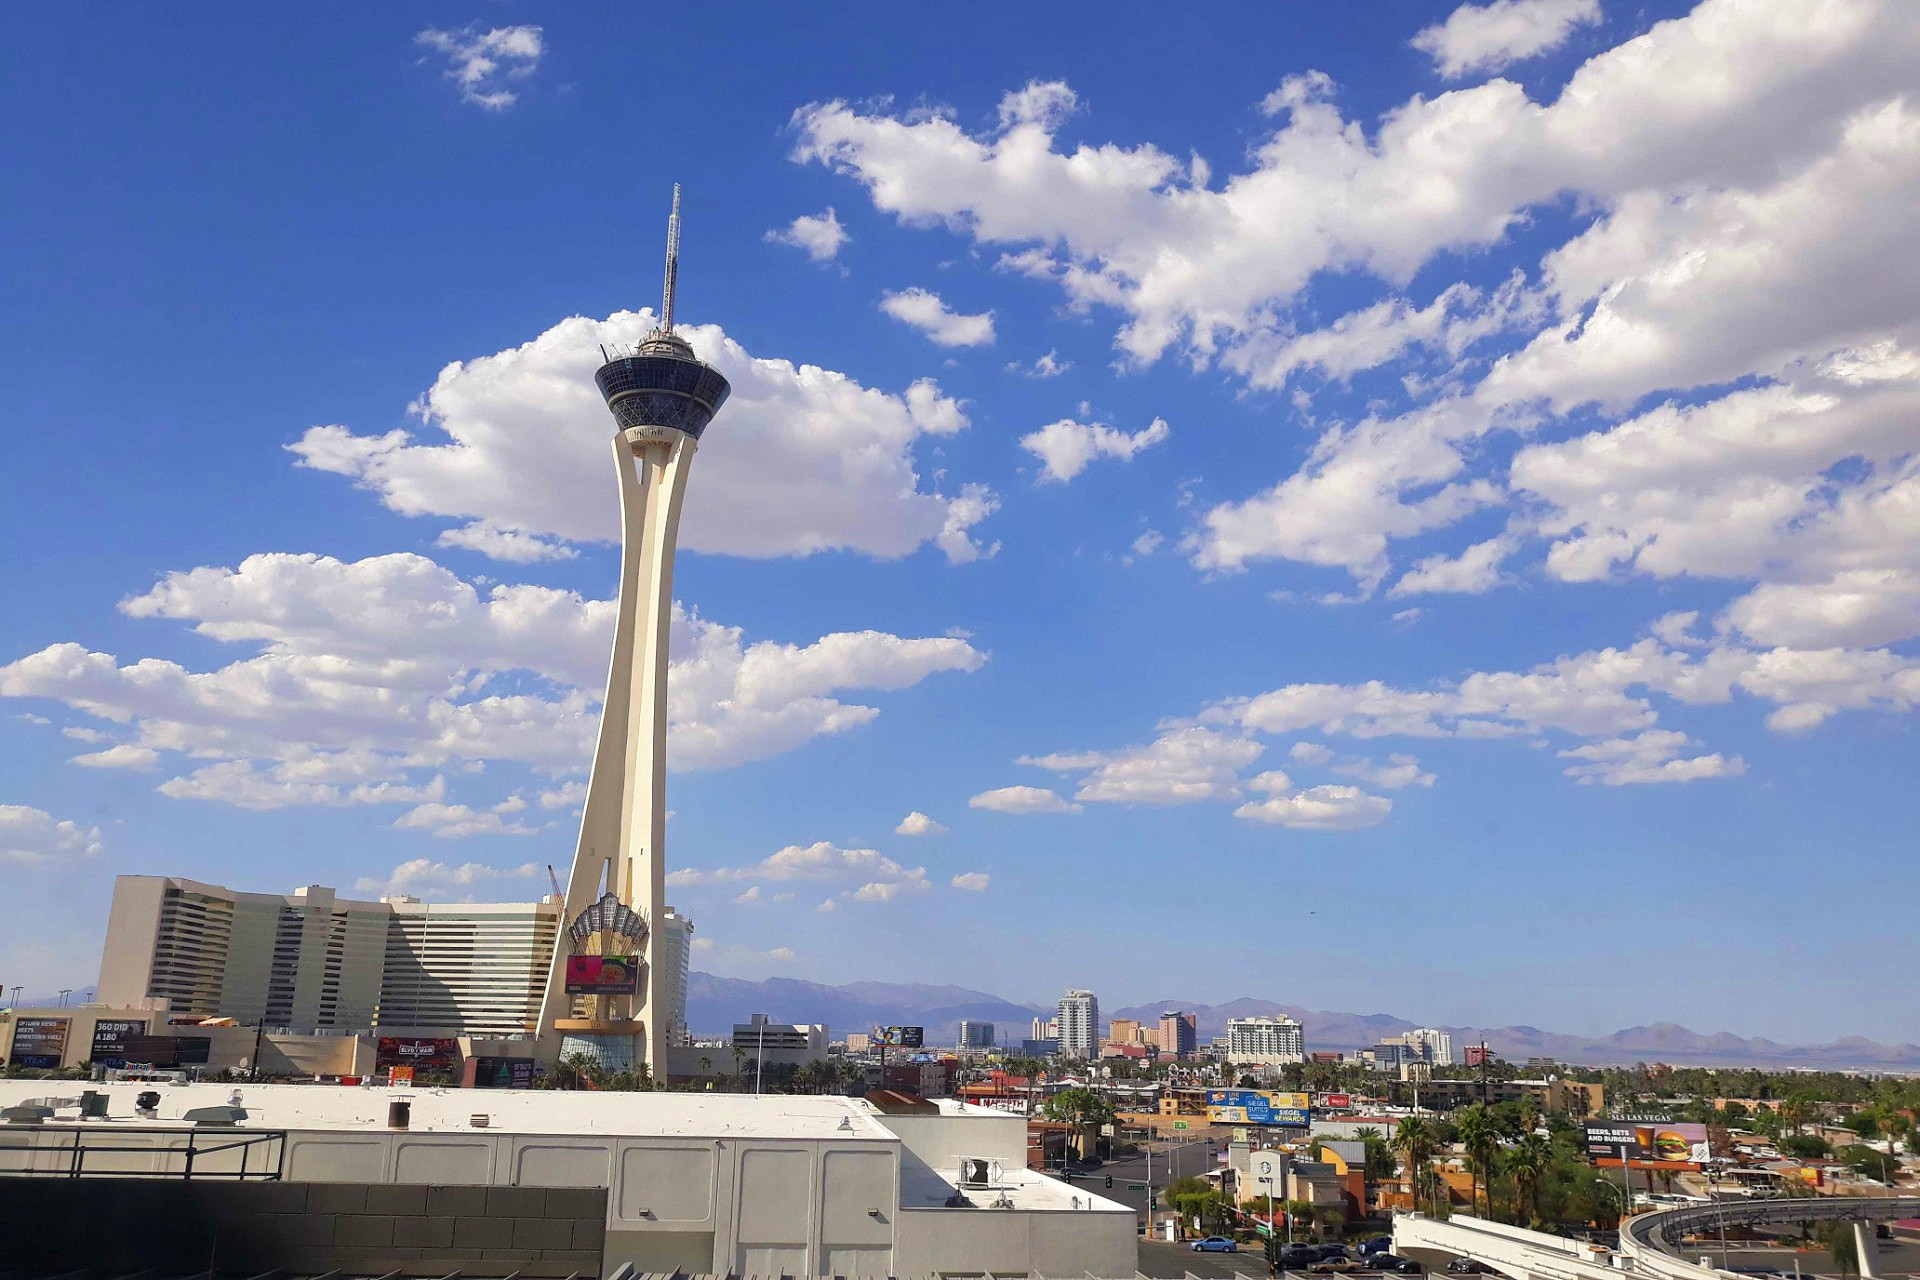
{"x":1215,"y":1244}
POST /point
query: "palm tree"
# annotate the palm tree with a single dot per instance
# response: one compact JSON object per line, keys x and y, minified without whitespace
{"x":1479,"y":1137}
{"x":1527,"y":1162}
{"x":1413,"y":1139}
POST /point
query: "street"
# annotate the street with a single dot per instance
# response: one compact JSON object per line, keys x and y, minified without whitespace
{"x":1166,"y":1261}
{"x":1171,"y":1159}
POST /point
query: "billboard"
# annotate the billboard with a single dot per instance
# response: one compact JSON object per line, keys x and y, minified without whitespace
{"x":169,"y":1051}
{"x":1258,"y":1106}
{"x":900,"y":1037}
{"x":111,"y":1037}
{"x":416,"y":1051}
{"x":503,"y":1073}
{"x":39,"y":1042}
{"x":1647,"y":1144}
{"x":603,"y":975}
{"x":1336,"y":1101}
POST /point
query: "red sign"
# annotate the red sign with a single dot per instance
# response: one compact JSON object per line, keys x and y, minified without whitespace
{"x":416,"y":1051}
{"x":603,"y":975}
{"x":1337,"y":1101}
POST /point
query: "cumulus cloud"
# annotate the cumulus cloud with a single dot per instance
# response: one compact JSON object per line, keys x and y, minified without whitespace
{"x":1399,"y":771}
{"x":457,"y":821}
{"x":364,"y":674}
{"x":426,"y":878}
{"x":971,"y":881}
{"x":1049,"y":365}
{"x":1066,"y":447}
{"x":924,"y":310}
{"x":1472,"y":572}
{"x":1488,"y":37}
{"x":919,"y":824}
{"x":34,"y":835}
{"x":1179,"y":767}
{"x":801,"y":460}
{"x":482,"y":62}
{"x":818,"y":235}
{"x":881,"y":879}
{"x":1328,"y":807}
{"x":1022,"y":800}
{"x":1653,"y":756}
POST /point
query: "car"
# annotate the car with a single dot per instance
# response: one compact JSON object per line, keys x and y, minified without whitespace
{"x":1337,"y":1266}
{"x":1379,"y":1244}
{"x":1469,"y":1267}
{"x":1298,"y":1257}
{"x":1395,"y":1265}
{"x":1216,"y":1244}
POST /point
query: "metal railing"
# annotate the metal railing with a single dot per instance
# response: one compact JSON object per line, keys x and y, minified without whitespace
{"x":42,"y":1159}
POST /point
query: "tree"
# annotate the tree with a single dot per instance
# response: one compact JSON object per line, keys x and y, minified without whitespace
{"x":1380,"y":1162}
{"x":1413,"y":1139}
{"x":1528,"y":1162}
{"x":1479,"y":1136}
{"x":1842,"y":1246}
{"x":1085,"y":1110}
{"x":1804,"y":1146}
{"x":1870,"y":1162}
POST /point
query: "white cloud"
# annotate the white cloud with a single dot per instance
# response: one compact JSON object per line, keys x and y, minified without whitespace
{"x":34,"y":835}
{"x":378,"y":669}
{"x":926,"y":311}
{"x":511,"y":545}
{"x":1329,"y":807}
{"x":1148,"y":543}
{"x":971,"y":881}
{"x":818,"y":861}
{"x":426,"y":878}
{"x":1398,"y":772}
{"x":1488,"y":37}
{"x":1179,"y":767}
{"x":569,"y":795}
{"x":1022,"y":800}
{"x":801,"y":460}
{"x":480,"y":62}
{"x":1049,"y":365}
{"x":750,"y":896}
{"x":1473,"y":572}
{"x":1653,"y":756}
{"x":124,"y":756}
{"x":458,"y":821}
{"x":1066,"y":446}
{"x":1309,"y":753}
{"x":919,"y":824}
{"x":818,"y":235}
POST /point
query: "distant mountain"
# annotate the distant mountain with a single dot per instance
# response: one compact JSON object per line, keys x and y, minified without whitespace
{"x":715,"y":1004}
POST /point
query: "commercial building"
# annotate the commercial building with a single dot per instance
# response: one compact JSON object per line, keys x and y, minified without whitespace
{"x":1044,"y":1029}
{"x":1179,"y":1033}
{"x":311,"y":960}
{"x":707,"y":1184}
{"x":1265,"y":1041}
{"x":1079,"y":1025}
{"x":767,"y":1042}
{"x":975,"y":1034}
{"x":1430,"y":1045}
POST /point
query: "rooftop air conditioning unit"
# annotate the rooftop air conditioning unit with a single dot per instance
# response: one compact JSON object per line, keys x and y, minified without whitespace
{"x":978,"y":1171}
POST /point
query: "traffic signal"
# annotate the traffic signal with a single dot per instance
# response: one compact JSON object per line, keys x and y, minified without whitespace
{"x":1273,"y":1251}
{"x":1109,"y":1180}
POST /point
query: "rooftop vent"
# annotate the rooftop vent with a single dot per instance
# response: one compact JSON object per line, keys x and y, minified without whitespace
{"x":26,"y":1113}
{"x":211,"y":1116}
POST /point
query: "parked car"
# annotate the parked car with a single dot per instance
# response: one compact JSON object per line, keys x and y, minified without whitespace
{"x":1298,"y":1257}
{"x":1379,"y":1244}
{"x":1336,"y":1266}
{"x":1469,"y":1267}
{"x":1216,"y":1244}
{"x":1395,"y":1265}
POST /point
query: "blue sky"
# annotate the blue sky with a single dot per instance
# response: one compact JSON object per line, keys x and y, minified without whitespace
{"x":1381,"y":507}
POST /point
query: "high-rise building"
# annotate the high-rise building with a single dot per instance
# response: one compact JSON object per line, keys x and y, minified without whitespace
{"x":1179,"y":1033}
{"x":1265,"y":1041}
{"x":311,"y":960}
{"x":1078,"y":1024}
{"x":662,"y":397}
{"x":1044,"y":1029}
{"x":975,"y":1034}
{"x":676,"y":962}
{"x":1431,"y":1045}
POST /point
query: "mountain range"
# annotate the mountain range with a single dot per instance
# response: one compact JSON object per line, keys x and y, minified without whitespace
{"x":714,"y":1004}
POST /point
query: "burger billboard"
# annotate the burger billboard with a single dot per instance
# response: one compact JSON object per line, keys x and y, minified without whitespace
{"x":1647,"y":1144}
{"x":603,"y":975}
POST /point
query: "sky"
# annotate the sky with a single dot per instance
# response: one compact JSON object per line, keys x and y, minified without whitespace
{"x":1384,"y":507}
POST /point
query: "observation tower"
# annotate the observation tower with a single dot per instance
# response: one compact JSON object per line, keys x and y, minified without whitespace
{"x":607,"y":990}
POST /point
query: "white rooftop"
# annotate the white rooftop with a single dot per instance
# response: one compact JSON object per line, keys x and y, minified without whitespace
{"x":320,"y":1107}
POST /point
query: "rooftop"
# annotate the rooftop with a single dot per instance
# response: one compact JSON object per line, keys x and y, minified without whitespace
{"x":436,"y":1110}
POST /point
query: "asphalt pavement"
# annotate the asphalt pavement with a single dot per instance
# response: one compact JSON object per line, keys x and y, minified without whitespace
{"x":1170,"y":1160}
{"x":1172,"y":1261}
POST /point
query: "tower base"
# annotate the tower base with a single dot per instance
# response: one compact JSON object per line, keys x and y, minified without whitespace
{"x":613,"y":1046}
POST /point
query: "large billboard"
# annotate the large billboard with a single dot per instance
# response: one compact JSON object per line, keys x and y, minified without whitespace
{"x":169,"y":1051}
{"x":415,"y":1051}
{"x":1646,"y":1144}
{"x":503,"y":1073}
{"x":110,"y":1039}
{"x":603,"y":975}
{"x":40,"y":1043}
{"x":1258,"y":1106}
{"x":900,"y":1037}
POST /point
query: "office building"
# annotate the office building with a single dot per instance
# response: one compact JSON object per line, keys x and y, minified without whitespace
{"x":676,"y":963}
{"x":311,"y":960}
{"x":662,"y":398}
{"x":975,"y":1034}
{"x":767,"y":1042}
{"x":1265,"y":1041}
{"x":1429,"y":1045}
{"x":1179,"y":1033}
{"x":1043,"y":1029}
{"x":1078,"y":1025}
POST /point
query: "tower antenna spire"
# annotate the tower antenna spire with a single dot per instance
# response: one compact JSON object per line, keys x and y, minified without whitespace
{"x":673,"y":263}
